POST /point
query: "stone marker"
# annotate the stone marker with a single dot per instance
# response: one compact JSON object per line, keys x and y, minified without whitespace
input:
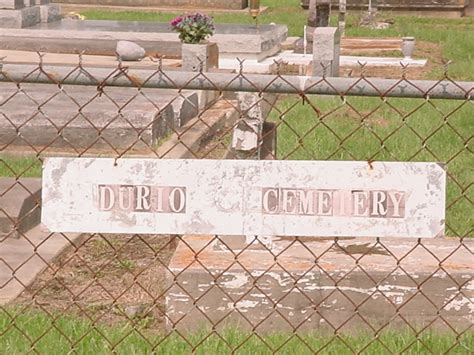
{"x":201,"y":58}
{"x":129,"y":51}
{"x":326,"y":51}
{"x":318,"y":16}
{"x":196,"y":57}
{"x":247,"y":134}
{"x":244,"y":197}
{"x":20,"y":13}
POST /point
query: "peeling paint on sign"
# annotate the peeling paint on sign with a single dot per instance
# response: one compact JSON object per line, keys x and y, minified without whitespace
{"x":244,"y":197}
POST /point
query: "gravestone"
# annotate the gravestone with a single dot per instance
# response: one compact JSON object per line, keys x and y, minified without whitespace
{"x":326,"y":51}
{"x":21,"y":14}
{"x":318,"y":16}
{"x":252,"y":138}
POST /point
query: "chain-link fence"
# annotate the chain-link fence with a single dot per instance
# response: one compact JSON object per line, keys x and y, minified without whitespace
{"x":84,"y":293}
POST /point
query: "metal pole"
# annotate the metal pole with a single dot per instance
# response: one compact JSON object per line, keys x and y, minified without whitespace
{"x":166,"y":79}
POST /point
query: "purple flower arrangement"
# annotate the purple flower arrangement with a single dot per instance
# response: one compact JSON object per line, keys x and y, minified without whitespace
{"x":193,"y":28}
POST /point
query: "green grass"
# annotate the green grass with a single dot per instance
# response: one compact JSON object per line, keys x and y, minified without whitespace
{"x":455,"y":36}
{"x":12,"y":166}
{"x":54,"y":334}
{"x":397,"y":130}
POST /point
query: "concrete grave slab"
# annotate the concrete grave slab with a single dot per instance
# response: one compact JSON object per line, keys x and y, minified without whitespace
{"x":22,"y":259}
{"x":19,"y":18}
{"x":100,"y":37}
{"x":320,"y":285}
{"x":80,"y":122}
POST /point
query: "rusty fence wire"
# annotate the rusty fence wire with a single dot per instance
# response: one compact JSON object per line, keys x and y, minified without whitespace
{"x":105,"y":293}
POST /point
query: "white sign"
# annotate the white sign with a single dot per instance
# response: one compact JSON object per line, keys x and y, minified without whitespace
{"x":244,"y":197}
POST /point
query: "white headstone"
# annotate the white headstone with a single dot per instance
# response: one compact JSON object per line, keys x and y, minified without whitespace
{"x":326,"y":51}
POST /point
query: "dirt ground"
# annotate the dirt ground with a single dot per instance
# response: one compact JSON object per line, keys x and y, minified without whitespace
{"x":107,"y":279}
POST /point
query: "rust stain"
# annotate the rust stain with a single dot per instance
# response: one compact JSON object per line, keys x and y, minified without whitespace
{"x":135,"y":80}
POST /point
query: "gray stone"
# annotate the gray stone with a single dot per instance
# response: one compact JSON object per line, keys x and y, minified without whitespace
{"x":186,"y":107}
{"x":200,"y":57}
{"x":25,"y":17}
{"x":175,"y":4}
{"x":329,"y":293}
{"x":196,"y":57}
{"x":129,"y":51}
{"x":100,"y":37}
{"x":50,"y":12}
{"x":136,"y":311}
{"x":61,"y":123}
{"x":11,"y":4}
{"x":318,"y":16}
{"x":326,"y":51}
{"x":254,"y":110}
{"x":20,"y":203}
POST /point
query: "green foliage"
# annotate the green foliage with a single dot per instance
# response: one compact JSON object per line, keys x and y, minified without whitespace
{"x":13,"y":166}
{"x":193,"y":28}
{"x":395,"y":129}
{"x":52,"y":333}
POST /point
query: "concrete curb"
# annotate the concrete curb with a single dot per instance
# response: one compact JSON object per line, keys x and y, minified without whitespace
{"x":170,"y":9}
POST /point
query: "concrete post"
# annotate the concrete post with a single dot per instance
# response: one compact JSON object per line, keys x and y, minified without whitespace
{"x":342,"y":17}
{"x":326,"y":51}
{"x":200,"y":57}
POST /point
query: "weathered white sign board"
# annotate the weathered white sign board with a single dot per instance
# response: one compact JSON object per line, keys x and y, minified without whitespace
{"x":244,"y":197}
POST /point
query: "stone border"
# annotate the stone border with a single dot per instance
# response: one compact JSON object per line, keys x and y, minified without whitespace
{"x":81,"y":7}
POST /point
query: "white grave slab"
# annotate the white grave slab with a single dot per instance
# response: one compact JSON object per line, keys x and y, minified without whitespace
{"x":244,"y":197}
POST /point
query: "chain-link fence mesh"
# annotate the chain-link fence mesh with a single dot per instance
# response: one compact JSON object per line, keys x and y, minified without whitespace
{"x":66,"y":293}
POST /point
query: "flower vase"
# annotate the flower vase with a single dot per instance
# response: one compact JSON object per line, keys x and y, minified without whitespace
{"x":199,"y":56}
{"x":408,"y":47}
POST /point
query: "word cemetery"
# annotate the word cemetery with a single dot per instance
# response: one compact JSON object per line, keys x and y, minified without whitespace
{"x":334,"y":202}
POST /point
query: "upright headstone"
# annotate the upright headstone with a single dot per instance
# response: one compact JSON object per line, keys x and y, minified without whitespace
{"x":49,"y":12}
{"x":326,"y":51}
{"x":318,"y":16}
{"x":251,"y":139}
{"x":247,"y":136}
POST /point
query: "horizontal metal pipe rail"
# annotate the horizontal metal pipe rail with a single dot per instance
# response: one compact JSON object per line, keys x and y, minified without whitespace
{"x":288,"y":84}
